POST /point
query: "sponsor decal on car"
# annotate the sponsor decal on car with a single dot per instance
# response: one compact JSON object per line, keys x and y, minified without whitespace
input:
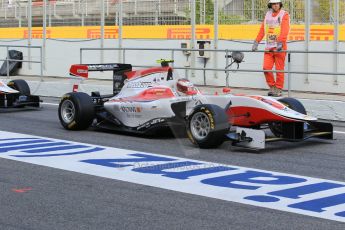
{"x":139,"y":84}
{"x":151,"y":123}
{"x":22,"y":98}
{"x":280,"y":191}
{"x":82,"y":71}
{"x":131,"y":109}
{"x":102,"y":67}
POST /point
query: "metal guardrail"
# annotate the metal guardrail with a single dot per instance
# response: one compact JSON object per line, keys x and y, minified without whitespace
{"x":227,"y":58}
{"x":28,"y":61}
{"x":230,"y":12}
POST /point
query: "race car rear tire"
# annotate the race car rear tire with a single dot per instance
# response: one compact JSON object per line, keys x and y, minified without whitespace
{"x":21,"y":86}
{"x":207,"y":126}
{"x":76,"y":111}
{"x":292,"y":103}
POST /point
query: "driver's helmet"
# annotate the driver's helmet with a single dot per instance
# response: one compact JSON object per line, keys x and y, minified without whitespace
{"x":185,"y":87}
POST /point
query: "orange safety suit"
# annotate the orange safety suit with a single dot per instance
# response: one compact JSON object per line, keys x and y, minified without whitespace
{"x":276,"y":58}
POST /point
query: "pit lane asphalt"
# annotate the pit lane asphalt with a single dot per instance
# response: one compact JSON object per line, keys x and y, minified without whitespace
{"x":66,"y":200}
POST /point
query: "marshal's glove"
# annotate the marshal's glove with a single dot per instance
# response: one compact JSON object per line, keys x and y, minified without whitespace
{"x":279,"y":46}
{"x":255,"y":46}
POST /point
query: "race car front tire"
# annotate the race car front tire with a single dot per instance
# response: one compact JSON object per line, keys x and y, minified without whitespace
{"x":76,"y":111}
{"x":207,"y":126}
{"x":21,"y":86}
{"x":292,"y":103}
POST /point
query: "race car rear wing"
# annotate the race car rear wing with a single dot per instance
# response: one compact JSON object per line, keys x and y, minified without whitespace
{"x":81,"y":71}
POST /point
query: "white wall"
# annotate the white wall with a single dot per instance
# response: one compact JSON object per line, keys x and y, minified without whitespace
{"x":61,"y":54}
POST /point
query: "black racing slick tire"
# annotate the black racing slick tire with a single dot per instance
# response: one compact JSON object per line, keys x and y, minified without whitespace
{"x":292,"y":103}
{"x":76,"y":111}
{"x":207,"y":126}
{"x":21,"y":86}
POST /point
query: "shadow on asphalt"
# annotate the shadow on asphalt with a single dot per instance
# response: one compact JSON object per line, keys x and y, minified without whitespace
{"x":162,"y":134}
{"x":13,"y":110}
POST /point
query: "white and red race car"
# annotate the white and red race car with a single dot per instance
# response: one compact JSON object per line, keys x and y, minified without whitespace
{"x":16,"y":94}
{"x":148,"y":100}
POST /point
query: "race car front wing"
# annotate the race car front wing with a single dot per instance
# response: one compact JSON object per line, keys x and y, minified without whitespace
{"x":293,"y":132}
{"x":18,"y":101}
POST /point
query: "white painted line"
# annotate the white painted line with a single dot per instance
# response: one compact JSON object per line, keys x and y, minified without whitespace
{"x":321,"y":100}
{"x":339,"y":132}
{"x":46,"y":103}
{"x":280,"y":191}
